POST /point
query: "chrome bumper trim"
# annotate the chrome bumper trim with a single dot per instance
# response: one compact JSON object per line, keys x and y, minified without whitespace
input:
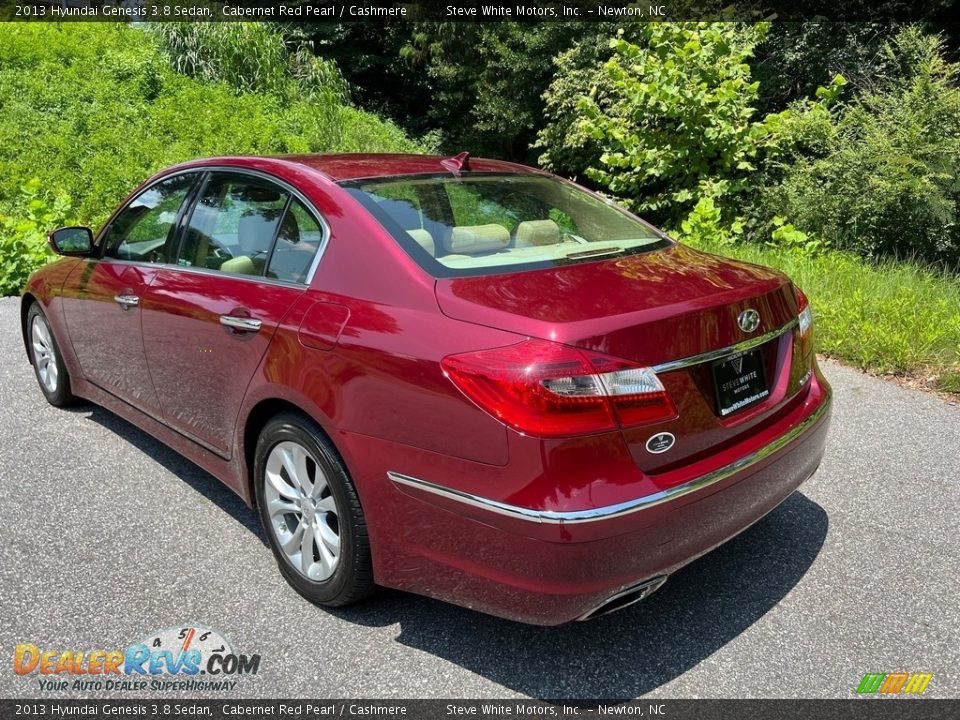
{"x":556,"y":517}
{"x":723,"y":352}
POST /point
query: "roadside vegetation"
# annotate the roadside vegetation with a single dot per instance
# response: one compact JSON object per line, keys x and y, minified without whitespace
{"x":831,"y":151}
{"x":89,"y":110}
{"x":885,"y":317}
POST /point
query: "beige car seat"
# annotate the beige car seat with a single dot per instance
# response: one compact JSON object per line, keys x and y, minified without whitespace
{"x":474,"y":239}
{"x":531,"y":233}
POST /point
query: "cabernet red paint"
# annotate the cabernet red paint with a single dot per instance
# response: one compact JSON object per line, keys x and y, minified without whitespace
{"x":458,"y":377}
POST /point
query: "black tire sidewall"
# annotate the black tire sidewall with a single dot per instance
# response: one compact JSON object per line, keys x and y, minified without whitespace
{"x":337,"y":590}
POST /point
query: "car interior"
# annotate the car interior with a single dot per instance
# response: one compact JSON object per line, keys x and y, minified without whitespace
{"x":497,"y":222}
{"x":233,"y":227}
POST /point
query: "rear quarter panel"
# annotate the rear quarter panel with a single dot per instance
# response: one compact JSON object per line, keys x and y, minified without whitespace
{"x":375,"y":373}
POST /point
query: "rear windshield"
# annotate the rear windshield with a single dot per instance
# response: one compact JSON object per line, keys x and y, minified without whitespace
{"x":486,"y":223}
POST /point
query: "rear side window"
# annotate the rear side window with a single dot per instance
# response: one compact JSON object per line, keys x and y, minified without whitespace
{"x":489,"y":223}
{"x":246,"y":225}
{"x":298,"y":240}
{"x":234,"y":224}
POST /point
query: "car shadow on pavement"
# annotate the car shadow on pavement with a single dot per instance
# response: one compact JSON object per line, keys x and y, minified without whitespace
{"x":196,"y":477}
{"x":626,"y":654}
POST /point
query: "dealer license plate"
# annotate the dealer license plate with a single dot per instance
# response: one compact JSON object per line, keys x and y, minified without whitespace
{"x":739,"y":381}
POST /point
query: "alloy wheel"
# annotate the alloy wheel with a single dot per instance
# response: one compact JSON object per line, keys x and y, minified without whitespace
{"x":302,"y":511}
{"x":44,"y":355}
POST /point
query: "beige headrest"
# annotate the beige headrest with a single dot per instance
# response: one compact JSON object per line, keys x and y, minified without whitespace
{"x":254,"y":232}
{"x":424,"y":239}
{"x":470,"y":239}
{"x":537,"y":232}
{"x":242,"y":265}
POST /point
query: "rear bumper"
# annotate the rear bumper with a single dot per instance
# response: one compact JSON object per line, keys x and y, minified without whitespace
{"x":600,"y":514}
{"x":548,"y":567}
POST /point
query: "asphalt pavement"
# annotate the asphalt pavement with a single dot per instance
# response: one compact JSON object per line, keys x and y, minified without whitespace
{"x":107,"y":536}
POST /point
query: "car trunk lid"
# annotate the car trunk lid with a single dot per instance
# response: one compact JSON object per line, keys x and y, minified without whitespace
{"x":676,"y":310}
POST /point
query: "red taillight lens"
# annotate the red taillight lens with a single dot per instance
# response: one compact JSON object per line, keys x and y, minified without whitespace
{"x":550,"y":390}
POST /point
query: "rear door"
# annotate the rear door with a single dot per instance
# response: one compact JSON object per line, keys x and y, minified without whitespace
{"x":247,"y":251}
{"x":102,"y":299}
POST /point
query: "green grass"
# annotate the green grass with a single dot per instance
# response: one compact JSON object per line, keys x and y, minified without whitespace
{"x":887,"y":318}
{"x":89,"y":110}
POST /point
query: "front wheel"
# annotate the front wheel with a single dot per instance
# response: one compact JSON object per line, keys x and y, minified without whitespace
{"x":46,"y":359}
{"x":311,"y":513}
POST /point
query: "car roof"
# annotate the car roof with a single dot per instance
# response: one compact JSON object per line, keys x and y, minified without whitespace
{"x":355,"y":166}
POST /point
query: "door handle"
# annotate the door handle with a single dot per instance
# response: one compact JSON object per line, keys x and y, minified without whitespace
{"x":126,"y":301}
{"x":240,"y":323}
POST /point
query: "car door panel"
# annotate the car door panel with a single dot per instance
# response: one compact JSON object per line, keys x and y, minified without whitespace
{"x":200,"y":366}
{"x":104,"y":325}
{"x":101,"y":299}
{"x":209,"y":317}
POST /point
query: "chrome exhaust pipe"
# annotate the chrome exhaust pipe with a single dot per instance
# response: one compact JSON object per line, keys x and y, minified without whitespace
{"x":625,"y":598}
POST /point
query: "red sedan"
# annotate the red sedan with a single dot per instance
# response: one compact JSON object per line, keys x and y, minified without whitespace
{"x":458,"y":377}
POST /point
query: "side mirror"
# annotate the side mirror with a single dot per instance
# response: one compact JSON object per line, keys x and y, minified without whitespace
{"x":71,"y":241}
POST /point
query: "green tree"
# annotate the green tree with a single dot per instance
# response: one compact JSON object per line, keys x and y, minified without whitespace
{"x":880,"y":175}
{"x":676,"y":122}
{"x":795,"y":58}
{"x":369,"y":55}
{"x":487,"y":81}
{"x":578,"y":73}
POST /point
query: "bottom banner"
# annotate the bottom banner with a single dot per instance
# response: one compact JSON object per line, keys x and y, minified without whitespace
{"x":867,"y":709}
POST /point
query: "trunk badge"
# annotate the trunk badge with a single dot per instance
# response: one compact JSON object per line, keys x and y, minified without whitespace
{"x":749,"y":320}
{"x":660,"y":443}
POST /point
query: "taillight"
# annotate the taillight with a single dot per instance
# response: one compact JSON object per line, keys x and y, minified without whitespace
{"x":550,"y":390}
{"x":805,"y":323}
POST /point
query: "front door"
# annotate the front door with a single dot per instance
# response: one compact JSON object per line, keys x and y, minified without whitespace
{"x":103,"y":306}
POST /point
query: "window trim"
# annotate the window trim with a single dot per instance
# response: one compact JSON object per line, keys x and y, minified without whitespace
{"x":188,"y":206}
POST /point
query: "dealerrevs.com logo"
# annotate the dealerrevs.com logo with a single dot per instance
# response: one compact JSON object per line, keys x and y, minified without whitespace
{"x":183,"y":658}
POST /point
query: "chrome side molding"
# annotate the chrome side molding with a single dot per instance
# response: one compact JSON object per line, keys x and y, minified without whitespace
{"x":557,"y":517}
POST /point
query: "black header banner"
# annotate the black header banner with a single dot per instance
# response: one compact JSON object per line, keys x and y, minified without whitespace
{"x":939,"y":11}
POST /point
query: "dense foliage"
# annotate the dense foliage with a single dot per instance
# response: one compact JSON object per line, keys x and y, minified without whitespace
{"x":250,"y":57}
{"x":880,"y":175}
{"x":487,"y":81}
{"x":676,"y":123}
{"x":88,"y":110}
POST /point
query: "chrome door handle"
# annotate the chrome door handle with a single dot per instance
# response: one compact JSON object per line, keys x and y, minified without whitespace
{"x":240,"y":323}
{"x":126,"y":301}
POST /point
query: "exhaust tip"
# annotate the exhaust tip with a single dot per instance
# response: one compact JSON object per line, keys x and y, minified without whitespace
{"x":625,"y":598}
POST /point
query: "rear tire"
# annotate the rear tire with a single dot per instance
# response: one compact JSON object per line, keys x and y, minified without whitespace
{"x":311,"y":513}
{"x":52,"y":375}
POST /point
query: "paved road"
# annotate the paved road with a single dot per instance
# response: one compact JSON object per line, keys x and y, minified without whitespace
{"x":107,"y":535}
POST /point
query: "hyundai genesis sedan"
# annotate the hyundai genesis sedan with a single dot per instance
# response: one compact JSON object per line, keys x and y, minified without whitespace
{"x":458,"y":377}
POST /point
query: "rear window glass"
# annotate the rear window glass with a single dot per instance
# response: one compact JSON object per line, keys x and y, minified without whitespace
{"x":480,"y":224}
